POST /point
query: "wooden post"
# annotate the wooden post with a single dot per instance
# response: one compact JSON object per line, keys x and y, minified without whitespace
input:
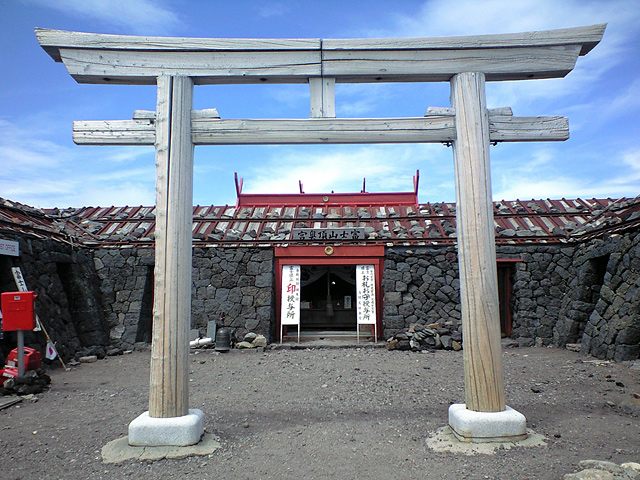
{"x":169,"y":385}
{"x":484,"y":384}
{"x":323,"y":97}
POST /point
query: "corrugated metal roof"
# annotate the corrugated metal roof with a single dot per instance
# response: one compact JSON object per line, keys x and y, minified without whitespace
{"x":25,"y":220}
{"x":528,"y":221}
{"x":619,"y":216}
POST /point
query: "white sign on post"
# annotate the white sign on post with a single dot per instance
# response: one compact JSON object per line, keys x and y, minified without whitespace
{"x":22,"y":287}
{"x":366,"y":298}
{"x":290,"y":307}
{"x":19,"y":279}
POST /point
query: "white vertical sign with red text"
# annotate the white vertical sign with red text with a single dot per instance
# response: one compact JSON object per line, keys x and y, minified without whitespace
{"x":366,"y":294}
{"x":290,"y":311}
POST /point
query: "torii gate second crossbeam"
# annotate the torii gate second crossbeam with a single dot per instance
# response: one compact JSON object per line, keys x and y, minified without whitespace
{"x":176,"y":64}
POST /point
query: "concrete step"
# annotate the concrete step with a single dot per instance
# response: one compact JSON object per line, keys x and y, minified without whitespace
{"x":313,"y":338}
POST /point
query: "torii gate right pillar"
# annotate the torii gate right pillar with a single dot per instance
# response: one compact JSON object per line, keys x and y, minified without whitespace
{"x":484,"y":416}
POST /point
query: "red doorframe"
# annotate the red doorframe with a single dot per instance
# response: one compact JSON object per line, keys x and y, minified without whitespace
{"x":506,"y":266}
{"x":339,"y":255}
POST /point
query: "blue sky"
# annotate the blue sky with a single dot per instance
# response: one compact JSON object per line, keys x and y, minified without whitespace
{"x":40,"y":165}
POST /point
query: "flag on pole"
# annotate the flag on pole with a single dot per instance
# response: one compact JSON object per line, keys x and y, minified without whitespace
{"x":51,"y":351}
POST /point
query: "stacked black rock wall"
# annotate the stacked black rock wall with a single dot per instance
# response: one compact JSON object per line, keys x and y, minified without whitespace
{"x":236,"y":284}
{"x":422,"y":286}
{"x":605,"y":290}
{"x":68,"y":296}
{"x":540,"y":282}
{"x":561,"y":293}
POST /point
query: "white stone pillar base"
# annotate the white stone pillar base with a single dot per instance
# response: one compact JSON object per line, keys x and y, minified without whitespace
{"x":480,"y":427}
{"x":147,"y":431}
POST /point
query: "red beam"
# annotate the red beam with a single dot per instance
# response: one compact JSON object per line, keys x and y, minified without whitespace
{"x":409,"y":199}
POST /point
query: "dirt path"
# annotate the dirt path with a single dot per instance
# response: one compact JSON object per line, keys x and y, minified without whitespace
{"x":327,"y":413}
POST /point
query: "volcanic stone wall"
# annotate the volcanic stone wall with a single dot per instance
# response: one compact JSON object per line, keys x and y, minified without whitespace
{"x":586,"y":293}
{"x":602,"y":310}
{"x":540,"y":282}
{"x":422,"y":286}
{"x":561,"y":293}
{"x":238,"y":284}
{"x":68,"y":296}
{"x":234,"y":286}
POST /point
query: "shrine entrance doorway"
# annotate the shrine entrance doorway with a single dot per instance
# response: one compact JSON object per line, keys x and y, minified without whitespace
{"x":328,"y":289}
{"x":328,"y":298}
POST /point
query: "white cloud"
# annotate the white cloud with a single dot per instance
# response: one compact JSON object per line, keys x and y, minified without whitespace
{"x":568,"y":187}
{"x":473,"y":17}
{"x":386,"y":168}
{"x":21,"y":151}
{"x":627,"y":101}
{"x":39,"y":172}
{"x":291,"y":96}
{"x":527,"y":188}
{"x":632,"y":159}
{"x":357,"y":100}
{"x":127,"y":154}
{"x":119,"y":193}
{"x":272,"y":9}
{"x":139,"y":16}
{"x":541,"y":176}
{"x":77,"y":192}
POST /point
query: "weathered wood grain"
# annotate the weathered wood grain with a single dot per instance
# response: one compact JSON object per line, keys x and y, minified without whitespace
{"x":169,"y":382}
{"x":323,"y":97}
{"x":493,"y":112}
{"x":527,"y":129}
{"x":484,"y":384}
{"x":98,"y":58}
{"x":142,"y":68}
{"x":509,"y":63}
{"x":151,"y":115}
{"x":210,"y":130}
{"x":52,"y":40}
{"x":322,"y":131}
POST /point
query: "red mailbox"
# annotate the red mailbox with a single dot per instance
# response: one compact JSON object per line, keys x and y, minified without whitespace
{"x":18,"y":311}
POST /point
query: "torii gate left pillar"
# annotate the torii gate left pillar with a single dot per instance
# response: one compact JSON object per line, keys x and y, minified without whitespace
{"x":169,"y":420}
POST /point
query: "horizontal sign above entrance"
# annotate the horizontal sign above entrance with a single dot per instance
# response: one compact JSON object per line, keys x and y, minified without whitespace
{"x":336,"y":234}
{"x":7,"y":247}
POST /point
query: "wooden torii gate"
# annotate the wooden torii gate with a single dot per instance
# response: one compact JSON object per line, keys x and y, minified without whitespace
{"x":176,"y":64}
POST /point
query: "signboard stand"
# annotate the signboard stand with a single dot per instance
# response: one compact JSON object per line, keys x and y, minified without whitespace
{"x":366,"y":299}
{"x":290,"y":311}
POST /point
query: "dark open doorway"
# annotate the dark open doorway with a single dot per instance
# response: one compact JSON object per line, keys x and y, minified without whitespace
{"x":505,"y":275}
{"x":328,"y":298}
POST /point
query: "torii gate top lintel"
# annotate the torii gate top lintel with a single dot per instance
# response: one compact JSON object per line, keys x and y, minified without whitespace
{"x":123,"y":59}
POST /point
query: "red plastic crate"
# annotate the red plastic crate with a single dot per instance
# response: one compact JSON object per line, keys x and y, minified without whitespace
{"x":32,"y":359}
{"x":7,"y":373}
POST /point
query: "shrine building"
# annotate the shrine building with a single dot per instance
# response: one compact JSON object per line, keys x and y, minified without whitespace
{"x":366,"y":265}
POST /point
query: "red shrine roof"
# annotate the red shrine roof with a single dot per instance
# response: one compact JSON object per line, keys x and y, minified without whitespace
{"x":19,"y":218}
{"x":516,"y":222}
{"x":391,"y":219}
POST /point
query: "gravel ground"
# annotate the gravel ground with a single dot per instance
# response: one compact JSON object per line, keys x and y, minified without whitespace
{"x":353,"y":413}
